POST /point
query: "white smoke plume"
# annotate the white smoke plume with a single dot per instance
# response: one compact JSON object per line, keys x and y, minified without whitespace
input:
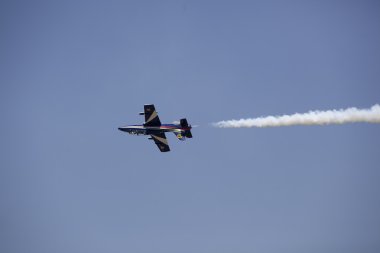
{"x":349,"y":115}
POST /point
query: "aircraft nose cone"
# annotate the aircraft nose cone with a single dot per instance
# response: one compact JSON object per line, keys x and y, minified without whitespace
{"x":120,"y":128}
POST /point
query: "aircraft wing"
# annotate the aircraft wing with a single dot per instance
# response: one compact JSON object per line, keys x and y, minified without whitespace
{"x":161,"y":142}
{"x":151,"y":117}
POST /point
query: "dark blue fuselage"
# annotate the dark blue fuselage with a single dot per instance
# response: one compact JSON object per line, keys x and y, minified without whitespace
{"x":148,"y":130}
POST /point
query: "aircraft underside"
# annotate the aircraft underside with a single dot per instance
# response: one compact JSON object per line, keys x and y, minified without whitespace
{"x":145,"y":131}
{"x":156,"y":130}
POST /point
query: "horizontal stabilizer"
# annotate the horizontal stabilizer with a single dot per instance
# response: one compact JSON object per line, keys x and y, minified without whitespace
{"x":188,"y":134}
{"x":183,"y":123}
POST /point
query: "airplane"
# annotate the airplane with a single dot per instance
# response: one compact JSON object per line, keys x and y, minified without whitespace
{"x":156,"y":130}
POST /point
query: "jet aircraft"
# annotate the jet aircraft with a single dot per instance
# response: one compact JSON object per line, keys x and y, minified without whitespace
{"x":156,"y":130}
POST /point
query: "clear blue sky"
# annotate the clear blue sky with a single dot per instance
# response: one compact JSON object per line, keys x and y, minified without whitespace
{"x":74,"y":71}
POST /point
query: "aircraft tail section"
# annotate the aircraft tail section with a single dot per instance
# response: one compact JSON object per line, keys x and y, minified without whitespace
{"x":180,"y":136}
{"x":185,"y":124}
{"x":188,"y":134}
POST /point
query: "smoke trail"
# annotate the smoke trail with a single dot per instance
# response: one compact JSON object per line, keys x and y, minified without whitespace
{"x":349,"y":115}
